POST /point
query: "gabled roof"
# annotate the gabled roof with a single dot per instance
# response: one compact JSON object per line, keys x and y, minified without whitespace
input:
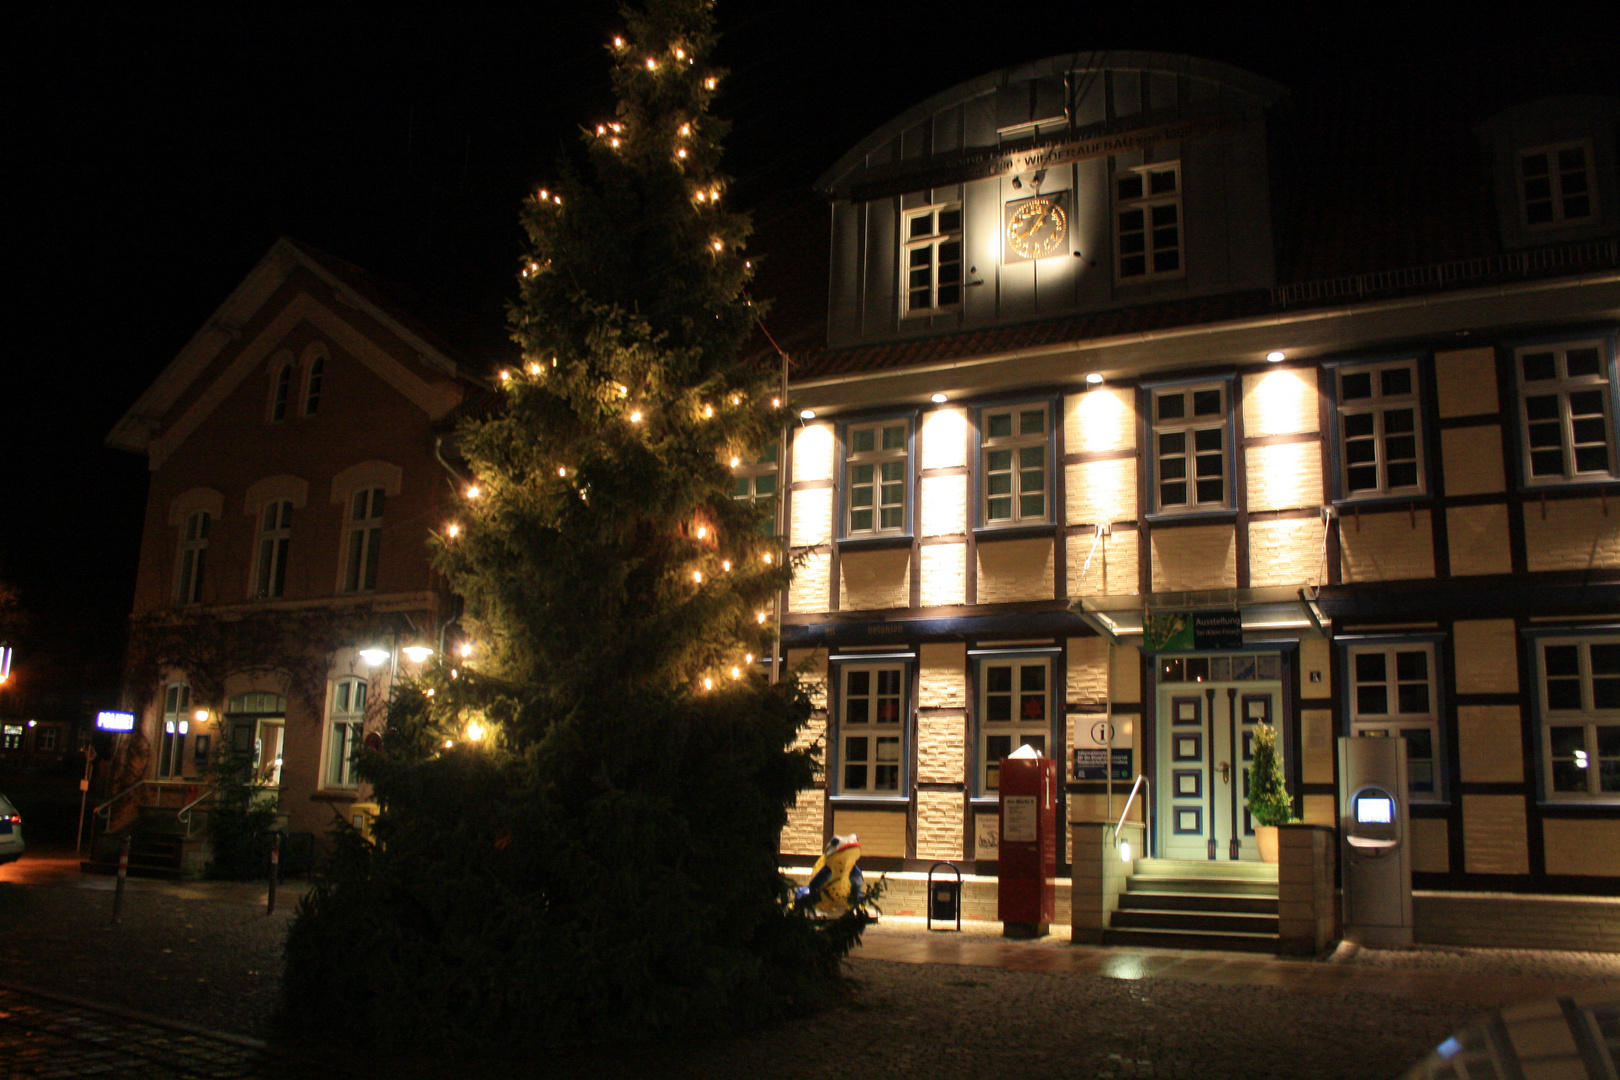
{"x":136,"y":430}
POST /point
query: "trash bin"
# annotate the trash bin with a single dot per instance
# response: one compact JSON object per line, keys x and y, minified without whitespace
{"x":944,"y":897}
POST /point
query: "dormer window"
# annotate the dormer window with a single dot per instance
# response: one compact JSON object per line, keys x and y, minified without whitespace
{"x":1147,"y":221}
{"x":933,"y":259}
{"x":1556,"y":185}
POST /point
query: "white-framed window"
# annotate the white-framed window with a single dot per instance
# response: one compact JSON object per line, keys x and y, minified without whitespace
{"x":1566,"y":411}
{"x":1394,"y":693}
{"x":1147,"y":222}
{"x":281,"y":380}
{"x":193,"y":558}
{"x":876,"y":478}
{"x":754,"y":480}
{"x":364,"y":540}
{"x":1015,"y":476}
{"x":314,"y":375}
{"x":872,"y":729}
{"x":45,"y":737}
{"x":1015,"y":705}
{"x":1580,"y":718}
{"x":1380,"y":429}
{"x":174,"y":726}
{"x":1556,"y":185}
{"x":931,"y":245}
{"x":275,"y":534}
{"x":11,"y":738}
{"x":1192,"y":458}
{"x":344,"y":732}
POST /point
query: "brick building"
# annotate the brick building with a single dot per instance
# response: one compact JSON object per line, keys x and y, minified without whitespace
{"x":296,"y":472}
{"x":1115,"y":338}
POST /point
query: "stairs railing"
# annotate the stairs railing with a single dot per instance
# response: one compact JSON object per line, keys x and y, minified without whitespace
{"x":1147,"y":820}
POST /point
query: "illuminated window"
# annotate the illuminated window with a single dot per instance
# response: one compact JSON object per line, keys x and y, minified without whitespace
{"x":1579,"y":699}
{"x":1394,"y":694}
{"x":280,"y":390}
{"x":193,"y":557}
{"x":313,"y":376}
{"x":344,"y":732}
{"x":1380,"y":444}
{"x":932,"y":268}
{"x":871,"y":729}
{"x":275,"y":534}
{"x":876,"y":477}
{"x":174,"y":726}
{"x":1015,"y":465}
{"x":1147,"y":222}
{"x":1566,"y":424}
{"x":12,"y":737}
{"x":1192,"y":459}
{"x":1015,"y":704}
{"x":1556,"y":185}
{"x":365,"y":540}
{"x":754,"y":481}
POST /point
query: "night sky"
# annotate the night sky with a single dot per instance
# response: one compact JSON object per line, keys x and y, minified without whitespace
{"x":159,"y":150}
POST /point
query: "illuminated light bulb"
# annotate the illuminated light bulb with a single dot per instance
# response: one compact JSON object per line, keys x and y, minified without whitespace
{"x":748,"y":658}
{"x":768,"y":558}
{"x":475,"y":731}
{"x":736,"y":673}
{"x":635,"y":417}
{"x":557,"y":199}
{"x":1274,"y":357}
{"x":473,"y":492}
{"x":715,"y":195}
{"x":544,"y":194}
{"x":200,"y":715}
{"x":726,"y":565}
{"x":708,"y":411}
{"x":938,"y":399}
{"x":1094,"y":377}
{"x":735,"y":462}
{"x":453,"y":531}
{"x":708,"y":684}
{"x":623,"y":389}
{"x":759,"y":617}
{"x":553,"y":361}
{"x":700,"y":196}
{"x":697,"y":576}
{"x":681,"y":153}
{"x":807,"y":414}
{"x":466,"y":649}
{"x":616,"y":127}
{"x":561,"y":471}
{"x":703,"y":530}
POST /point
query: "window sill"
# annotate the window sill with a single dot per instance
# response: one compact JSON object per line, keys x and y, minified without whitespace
{"x":1161,"y":517}
{"x":874,"y":802}
{"x":1580,"y":803}
{"x":874,"y":543}
{"x":993,"y":533}
{"x":1380,"y":502}
{"x":335,"y":796}
{"x":1531,"y":487}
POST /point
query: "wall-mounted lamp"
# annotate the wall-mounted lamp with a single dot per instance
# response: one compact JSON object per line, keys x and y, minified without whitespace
{"x":416,"y":653}
{"x":1275,"y":356}
{"x":807,"y":414}
{"x":938,"y":399}
{"x":1094,"y":377}
{"x":374,"y":655}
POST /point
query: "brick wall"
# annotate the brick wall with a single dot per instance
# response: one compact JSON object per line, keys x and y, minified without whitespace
{"x":881,"y":832}
{"x":813,"y":452}
{"x":812,"y":517}
{"x":802,"y":834}
{"x":1284,"y":476}
{"x":1431,"y":852}
{"x":944,"y":505}
{"x":1473,"y":460}
{"x":1281,"y":401}
{"x":1494,"y":840}
{"x":1391,"y":546}
{"x":1011,"y":570}
{"x":1318,"y":746}
{"x":1515,"y":922}
{"x":1487,"y":651}
{"x":1113,"y":567}
{"x":1285,"y":552}
{"x":1467,"y":382}
{"x":1478,"y":540}
{"x":1194,"y":557}
{"x":1100,"y":420}
{"x":1488,"y":744}
{"x":939,"y":825}
{"x":870,"y":580}
{"x":811,"y":584}
{"x":944,"y":439}
{"x":1583,"y":847}
{"x":1101,"y":491}
{"x":944,"y":574}
{"x":1576,"y":534}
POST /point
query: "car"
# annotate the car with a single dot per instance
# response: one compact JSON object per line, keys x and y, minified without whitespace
{"x":11,"y":838}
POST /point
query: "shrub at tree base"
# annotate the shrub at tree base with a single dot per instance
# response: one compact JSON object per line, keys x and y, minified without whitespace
{"x":580,"y":813}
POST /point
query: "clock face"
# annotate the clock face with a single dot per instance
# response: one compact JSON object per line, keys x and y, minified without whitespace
{"x":1036,"y":227}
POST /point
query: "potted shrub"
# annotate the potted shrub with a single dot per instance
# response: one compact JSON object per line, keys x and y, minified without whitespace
{"x":1269,"y":805}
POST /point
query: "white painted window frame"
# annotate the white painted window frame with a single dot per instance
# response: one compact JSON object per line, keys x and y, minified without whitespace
{"x":1393,"y":722}
{"x":362,"y":539}
{"x":932,"y":242}
{"x":273,"y":545}
{"x":879,"y":460}
{"x":1146,"y":203}
{"x":1563,"y":386}
{"x":1379,"y":406}
{"x":192,"y":558}
{"x":1556,"y":195}
{"x":1189,"y":426}
{"x":345,"y":728}
{"x":1590,"y":718}
{"x":1016,"y":728}
{"x":1016,"y":443}
{"x":870,"y":729}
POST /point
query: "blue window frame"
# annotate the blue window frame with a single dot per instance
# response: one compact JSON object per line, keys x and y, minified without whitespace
{"x":869,"y":744}
{"x":1565,"y":401}
{"x":1015,"y":704}
{"x":1015,"y":464}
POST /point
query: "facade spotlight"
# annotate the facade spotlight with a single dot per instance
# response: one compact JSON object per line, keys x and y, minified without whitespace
{"x":939,"y":399}
{"x":807,"y":414}
{"x":1275,"y":356}
{"x":1093,"y":377}
{"x":374,"y":655}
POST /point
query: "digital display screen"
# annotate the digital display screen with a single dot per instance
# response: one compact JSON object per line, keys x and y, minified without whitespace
{"x":1375,"y":810}
{"x":115,"y":721}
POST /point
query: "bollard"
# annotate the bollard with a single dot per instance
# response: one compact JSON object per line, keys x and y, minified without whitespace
{"x":123,"y":872}
{"x":275,"y":870}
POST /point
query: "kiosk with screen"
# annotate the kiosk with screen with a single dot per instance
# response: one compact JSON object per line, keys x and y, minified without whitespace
{"x":1375,"y":854}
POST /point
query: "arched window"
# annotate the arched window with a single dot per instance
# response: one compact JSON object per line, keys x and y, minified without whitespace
{"x":176,"y":726}
{"x":275,"y":534}
{"x":280,"y":390}
{"x":193,"y":557}
{"x":365,"y":540}
{"x":315,"y":370}
{"x":346,"y":720}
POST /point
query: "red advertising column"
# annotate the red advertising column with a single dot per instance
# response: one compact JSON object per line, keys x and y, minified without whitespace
{"x":1026,"y":890}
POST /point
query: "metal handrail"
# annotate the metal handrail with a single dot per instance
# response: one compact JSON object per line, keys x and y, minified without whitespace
{"x":1147,"y":810}
{"x":104,"y":808}
{"x":184,"y":813}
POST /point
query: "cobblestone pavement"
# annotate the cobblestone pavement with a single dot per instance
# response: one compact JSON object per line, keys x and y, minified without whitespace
{"x":940,"y":1005}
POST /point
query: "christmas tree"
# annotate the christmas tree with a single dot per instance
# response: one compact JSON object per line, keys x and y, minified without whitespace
{"x":581,"y":812}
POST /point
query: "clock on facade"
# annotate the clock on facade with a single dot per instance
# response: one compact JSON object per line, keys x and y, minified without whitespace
{"x":1035,"y":227}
